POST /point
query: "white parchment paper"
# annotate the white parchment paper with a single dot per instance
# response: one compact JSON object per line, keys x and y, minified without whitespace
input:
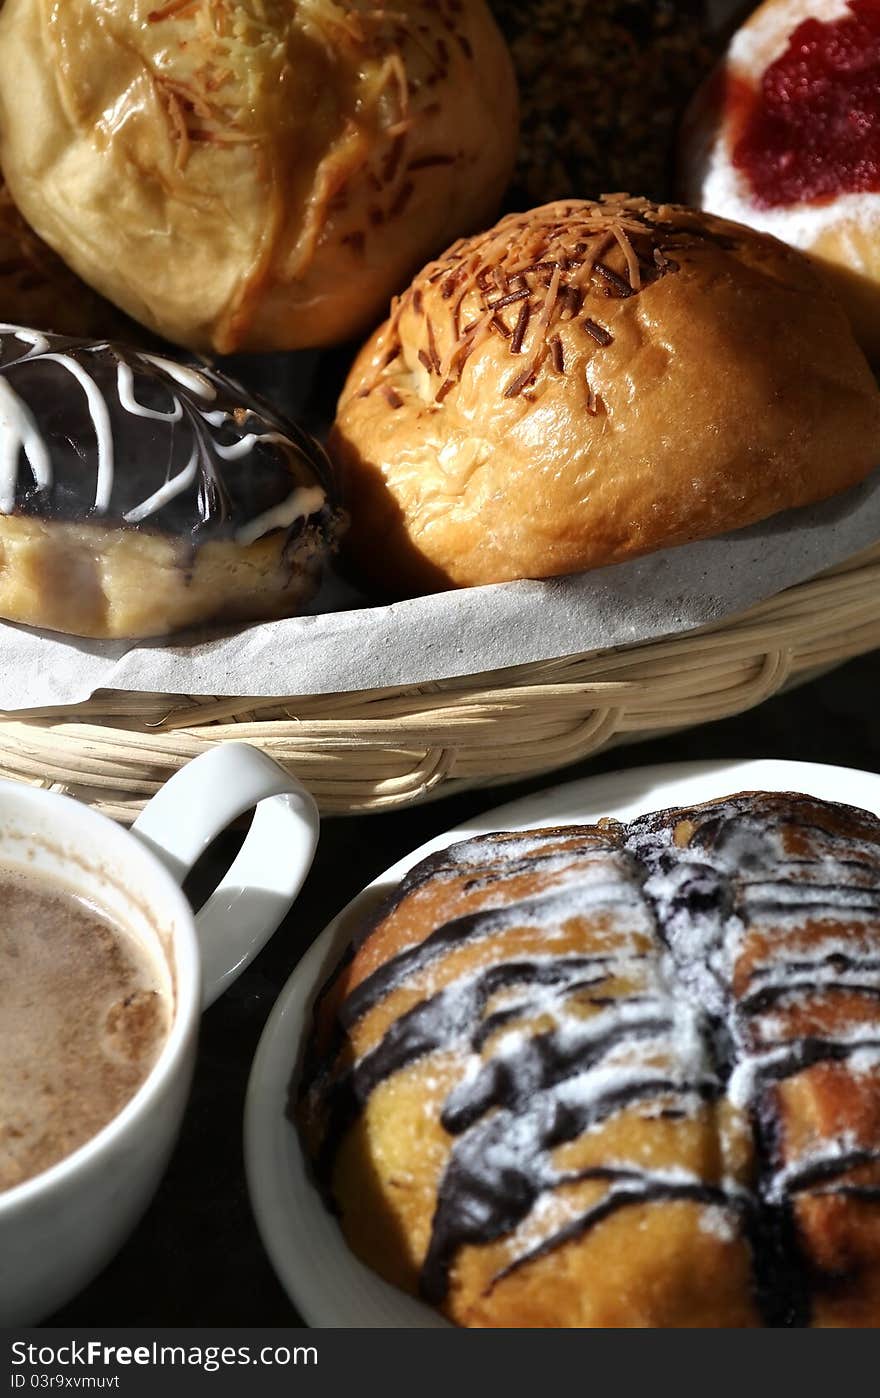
{"x":347,"y":645}
{"x":454,"y":633}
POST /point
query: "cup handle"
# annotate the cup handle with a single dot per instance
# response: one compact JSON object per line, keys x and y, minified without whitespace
{"x":192,"y":808}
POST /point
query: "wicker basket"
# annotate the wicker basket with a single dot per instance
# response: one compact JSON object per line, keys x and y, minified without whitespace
{"x":379,"y":749}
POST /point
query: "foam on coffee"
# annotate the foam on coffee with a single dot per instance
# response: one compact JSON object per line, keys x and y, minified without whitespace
{"x":82,"y":1021}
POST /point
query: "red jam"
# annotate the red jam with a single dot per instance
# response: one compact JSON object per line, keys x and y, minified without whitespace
{"x":813,"y":131}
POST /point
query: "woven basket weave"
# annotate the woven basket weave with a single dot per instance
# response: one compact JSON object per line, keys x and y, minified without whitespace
{"x":379,"y":749}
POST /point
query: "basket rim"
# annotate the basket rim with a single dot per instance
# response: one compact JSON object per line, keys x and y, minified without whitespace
{"x":372,"y":750}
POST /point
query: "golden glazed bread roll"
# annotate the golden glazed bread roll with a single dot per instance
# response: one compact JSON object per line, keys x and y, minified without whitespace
{"x":785,"y":136}
{"x":588,"y":382}
{"x":617,"y":1075}
{"x":260,"y":174}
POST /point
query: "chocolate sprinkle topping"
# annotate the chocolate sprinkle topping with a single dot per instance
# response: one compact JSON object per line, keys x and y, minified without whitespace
{"x":622,"y":287}
{"x":549,"y":264}
{"x":599,"y":333}
{"x":522,"y":325}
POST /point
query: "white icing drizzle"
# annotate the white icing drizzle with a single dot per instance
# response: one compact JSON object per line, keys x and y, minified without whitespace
{"x":38,"y":342}
{"x":836,"y":1152}
{"x":780,"y":977}
{"x":19,"y":431}
{"x":197,"y":383}
{"x":304,"y":501}
{"x":234,"y":450}
{"x":746,"y":1079}
{"x":101,"y":422}
{"x":166,"y":492}
{"x":125,"y":389}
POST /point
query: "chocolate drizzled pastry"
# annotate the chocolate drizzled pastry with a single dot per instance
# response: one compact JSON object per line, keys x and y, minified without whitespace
{"x":590,"y":381}
{"x":617,"y":1074}
{"x":139,"y":494}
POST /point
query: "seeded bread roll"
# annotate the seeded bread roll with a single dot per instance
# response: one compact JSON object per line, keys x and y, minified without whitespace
{"x":254,"y":174}
{"x":588,"y":382}
{"x":617,"y":1075}
{"x":785,"y":136}
{"x":139,"y":495}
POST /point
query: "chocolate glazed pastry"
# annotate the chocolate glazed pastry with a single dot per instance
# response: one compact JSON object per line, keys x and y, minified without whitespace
{"x":139,"y":495}
{"x":620,"y":1075}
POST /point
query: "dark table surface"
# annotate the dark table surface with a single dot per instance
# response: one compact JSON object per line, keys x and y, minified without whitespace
{"x":196,"y":1258}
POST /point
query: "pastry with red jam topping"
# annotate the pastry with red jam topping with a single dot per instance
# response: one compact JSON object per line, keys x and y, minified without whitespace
{"x":140,"y":495}
{"x":785,"y":136}
{"x":616,"y":1075}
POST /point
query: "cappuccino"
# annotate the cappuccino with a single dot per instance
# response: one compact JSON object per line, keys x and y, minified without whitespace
{"x":83,"y":1018}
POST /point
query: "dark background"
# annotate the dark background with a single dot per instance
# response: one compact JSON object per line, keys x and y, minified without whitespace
{"x":196,"y":1258}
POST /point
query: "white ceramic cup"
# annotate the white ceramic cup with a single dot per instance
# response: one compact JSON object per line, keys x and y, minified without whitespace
{"x":60,"y":1227}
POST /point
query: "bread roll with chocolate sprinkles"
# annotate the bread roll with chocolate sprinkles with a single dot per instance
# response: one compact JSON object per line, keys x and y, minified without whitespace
{"x":617,"y":1075}
{"x":589,"y":382}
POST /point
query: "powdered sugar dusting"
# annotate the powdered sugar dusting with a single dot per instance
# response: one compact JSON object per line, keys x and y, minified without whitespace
{"x":670,"y":968}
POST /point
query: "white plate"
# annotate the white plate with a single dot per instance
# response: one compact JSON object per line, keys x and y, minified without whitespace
{"x":324,"y":1280}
